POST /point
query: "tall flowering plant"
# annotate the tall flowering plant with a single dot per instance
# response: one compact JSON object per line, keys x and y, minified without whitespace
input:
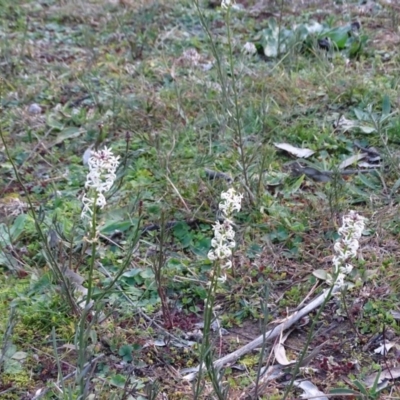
{"x":102,"y":174}
{"x":222,"y":246}
{"x":346,"y":247}
{"x":102,"y":168}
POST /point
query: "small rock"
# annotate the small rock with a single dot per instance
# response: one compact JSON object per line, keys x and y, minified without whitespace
{"x":249,"y":48}
{"x":34,"y":109}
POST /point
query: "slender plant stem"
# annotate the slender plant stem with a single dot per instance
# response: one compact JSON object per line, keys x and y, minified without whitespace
{"x":214,"y":51}
{"x":58,"y":274}
{"x":238,"y":116}
{"x":205,"y":350}
{"x":93,"y":239}
{"x":308,"y":341}
{"x":264,"y":308}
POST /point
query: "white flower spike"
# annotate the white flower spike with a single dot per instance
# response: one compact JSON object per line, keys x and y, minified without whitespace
{"x":102,"y":168}
{"x":346,"y":246}
{"x":224,"y":235}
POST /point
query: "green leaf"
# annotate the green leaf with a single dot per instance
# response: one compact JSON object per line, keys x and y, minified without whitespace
{"x":147,"y":273}
{"x":339,"y":36}
{"x":321,"y":274}
{"x":386,"y":106}
{"x":112,"y":226}
{"x":18,"y":226}
{"x":253,"y":250}
{"x":361,"y":115}
{"x":118,"y":381}
{"x":201,"y":247}
{"x":361,"y":387}
{"x":125,"y":351}
{"x":53,"y":123}
{"x":12,"y":367}
{"x":68,"y":133}
{"x":132,"y":272}
{"x":395,"y":186}
{"x":369,"y":182}
{"x":5,"y":237}
{"x":134,"y":291}
{"x":295,"y":186}
{"x":182,"y":233}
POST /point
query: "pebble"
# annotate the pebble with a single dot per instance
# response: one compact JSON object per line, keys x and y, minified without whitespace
{"x":34,"y":109}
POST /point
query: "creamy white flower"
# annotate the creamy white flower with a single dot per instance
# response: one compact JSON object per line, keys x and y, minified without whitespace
{"x":224,"y":236}
{"x":346,"y":269}
{"x":231,"y":202}
{"x":226,"y":4}
{"x":347,"y":245}
{"x":102,"y":174}
{"x":222,"y":278}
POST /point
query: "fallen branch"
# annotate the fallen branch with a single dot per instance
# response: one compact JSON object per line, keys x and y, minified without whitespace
{"x":270,"y":335}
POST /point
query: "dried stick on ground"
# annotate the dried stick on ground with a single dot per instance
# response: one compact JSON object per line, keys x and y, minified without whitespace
{"x":270,"y":335}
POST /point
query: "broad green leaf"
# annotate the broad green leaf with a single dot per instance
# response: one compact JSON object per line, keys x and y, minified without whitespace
{"x":125,"y":351}
{"x":361,"y":115}
{"x":201,"y":247}
{"x":321,"y":274}
{"x":339,"y":36}
{"x":18,"y":226}
{"x":12,"y":367}
{"x":5,"y":237}
{"x":368,"y":181}
{"x":112,"y":226}
{"x":118,"y":381}
{"x":147,"y":274}
{"x":53,"y":123}
{"x":132,"y":272}
{"x":68,"y":133}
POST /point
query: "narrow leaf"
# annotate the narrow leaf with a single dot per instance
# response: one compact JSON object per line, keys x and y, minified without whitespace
{"x":385,"y":106}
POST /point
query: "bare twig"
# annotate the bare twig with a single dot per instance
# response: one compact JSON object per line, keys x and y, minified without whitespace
{"x":271,"y":334}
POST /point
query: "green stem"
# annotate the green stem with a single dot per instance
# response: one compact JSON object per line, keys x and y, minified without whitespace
{"x":205,"y":350}
{"x":84,"y":325}
{"x":56,"y":270}
{"x":93,"y":239}
{"x":308,"y":341}
{"x":215,"y":53}
{"x":238,"y":116}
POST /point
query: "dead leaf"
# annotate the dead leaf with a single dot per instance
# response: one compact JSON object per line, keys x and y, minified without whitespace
{"x":352,"y":160}
{"x":395,"y":315}
{"x":280,"y":352}
{"x":365,"y":164}
{"x":389,"y":374}
{"x":384,"y":348}
{"x":346,"y":125}
{"x":310,"y":391}
{"x":294,"y":151}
